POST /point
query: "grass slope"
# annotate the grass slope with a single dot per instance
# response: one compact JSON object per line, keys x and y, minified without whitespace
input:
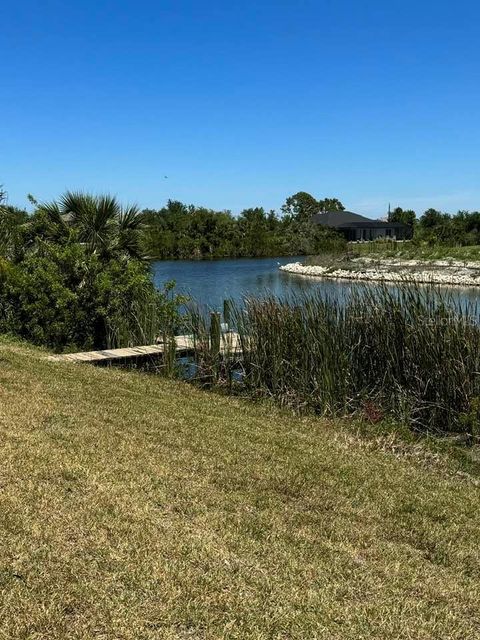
{"x":411,"y":251}
{"x":132,"y":507}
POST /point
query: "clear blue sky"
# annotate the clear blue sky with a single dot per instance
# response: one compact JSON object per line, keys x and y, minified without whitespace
{"x":242,"y":103}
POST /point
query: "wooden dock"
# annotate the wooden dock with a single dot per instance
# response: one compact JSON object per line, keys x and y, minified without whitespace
{"x":184,"y":345}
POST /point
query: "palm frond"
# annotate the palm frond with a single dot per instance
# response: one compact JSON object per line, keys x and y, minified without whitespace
{"x":99,"y":222}
{"x":129,"y":218}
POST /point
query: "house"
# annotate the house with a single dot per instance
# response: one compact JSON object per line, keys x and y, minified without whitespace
{"x":357,"y":228}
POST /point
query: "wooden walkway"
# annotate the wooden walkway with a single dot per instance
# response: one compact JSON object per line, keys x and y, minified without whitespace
{"x":230,"y":343}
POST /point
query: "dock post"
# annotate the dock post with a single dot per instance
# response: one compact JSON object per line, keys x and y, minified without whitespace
{"x":215,"y":333}
{"x":227,"y":312}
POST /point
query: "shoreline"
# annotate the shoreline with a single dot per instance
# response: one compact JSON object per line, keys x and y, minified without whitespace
{"x":465,"y":279}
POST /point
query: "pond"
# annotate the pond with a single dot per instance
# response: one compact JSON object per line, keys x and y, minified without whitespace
{"x":210,"y":282}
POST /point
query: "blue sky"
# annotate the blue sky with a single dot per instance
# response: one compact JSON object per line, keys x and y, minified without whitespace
{"x":242,"y":103}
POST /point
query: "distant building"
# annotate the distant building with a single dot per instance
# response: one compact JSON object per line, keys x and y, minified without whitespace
{"x":357,"y":228}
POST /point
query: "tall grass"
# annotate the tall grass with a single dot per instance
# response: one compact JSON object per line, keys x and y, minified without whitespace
{"x":332,"y":255}
{"x":215,"y":350}
{"x":145,"y":316}
{"x":407,"y":353}
{"x":415,"y":249}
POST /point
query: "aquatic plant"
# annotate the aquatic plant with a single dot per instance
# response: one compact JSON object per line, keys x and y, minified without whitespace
{"x":409,"y":353}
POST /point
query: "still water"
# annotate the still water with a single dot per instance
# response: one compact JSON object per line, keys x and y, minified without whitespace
{"x":211,"y":282}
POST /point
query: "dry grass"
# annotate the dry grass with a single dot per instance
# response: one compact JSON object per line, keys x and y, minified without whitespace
{"x":133,"y":507}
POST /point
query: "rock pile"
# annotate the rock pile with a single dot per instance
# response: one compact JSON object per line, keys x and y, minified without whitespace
{"x":463,"y":277}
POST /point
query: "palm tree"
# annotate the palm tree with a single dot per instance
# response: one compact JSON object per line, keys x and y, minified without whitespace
{"x":100,"y":223}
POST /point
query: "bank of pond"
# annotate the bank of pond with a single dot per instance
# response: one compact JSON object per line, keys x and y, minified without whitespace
{"x":409,"y":355}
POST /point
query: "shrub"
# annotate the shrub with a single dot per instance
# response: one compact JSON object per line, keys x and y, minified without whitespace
{"x":63,"y":297}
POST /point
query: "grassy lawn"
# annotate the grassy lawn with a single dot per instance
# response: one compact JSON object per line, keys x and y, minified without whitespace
{"x":411,"y":251}
{"x":382,"y":250}
{"x":133,"y":507}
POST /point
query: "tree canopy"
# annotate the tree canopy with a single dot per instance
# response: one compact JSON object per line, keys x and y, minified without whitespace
{"x":407,"y":216}
{"x":100,"y":223}
{"x":187,"y":231}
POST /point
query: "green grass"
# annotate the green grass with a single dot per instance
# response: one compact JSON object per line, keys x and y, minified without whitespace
{"x":414,"y":251}
{"x":379,"y":250}
{"x":136,"y":507}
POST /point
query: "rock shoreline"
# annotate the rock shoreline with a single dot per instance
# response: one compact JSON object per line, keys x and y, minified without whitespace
{"x":464,"y":277}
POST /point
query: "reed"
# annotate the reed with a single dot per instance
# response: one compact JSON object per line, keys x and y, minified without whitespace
{"x":410,"y":353}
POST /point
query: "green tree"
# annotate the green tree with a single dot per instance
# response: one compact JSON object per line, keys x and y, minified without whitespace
{"x":300,"y":206}
{"x":433,"y":218}
{"x":13,"y":225}
{"x":301,"y":235}
{"x":99,"y":223}
{"x":331,"y":204}
{"x":254,"y":232}
{"x":407,"y":216}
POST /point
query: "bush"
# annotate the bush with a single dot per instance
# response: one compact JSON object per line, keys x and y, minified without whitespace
{"x":65,"y":298}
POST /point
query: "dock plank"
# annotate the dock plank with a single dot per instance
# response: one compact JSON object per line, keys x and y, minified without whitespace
{"x":230,"y":343}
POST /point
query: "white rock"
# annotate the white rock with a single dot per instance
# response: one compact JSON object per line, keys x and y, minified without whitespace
{"x":465,"y":277}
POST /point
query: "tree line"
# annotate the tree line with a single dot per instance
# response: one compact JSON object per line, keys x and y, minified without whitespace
{"x":436,"y":227}
{"x":180,"y":231}
{"x":187,"y":231}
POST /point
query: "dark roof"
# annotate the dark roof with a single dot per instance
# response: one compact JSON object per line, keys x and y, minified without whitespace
{"x":345,"y":219}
